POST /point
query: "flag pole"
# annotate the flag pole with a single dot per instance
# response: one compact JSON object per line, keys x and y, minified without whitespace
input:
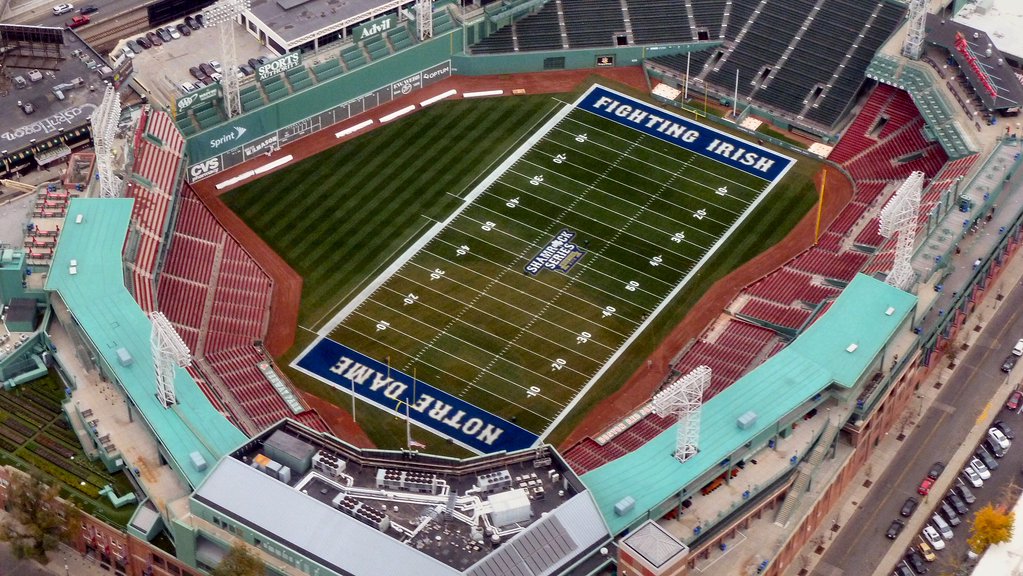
{"x":735,"y":99}
{"x":408,"y":419}
{"x":352,"y":380}
{"x":685,"y":87}
{"x":820,"y":206}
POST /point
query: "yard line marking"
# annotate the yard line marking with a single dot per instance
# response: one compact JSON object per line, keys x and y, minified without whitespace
{"x":527,"y":294}
{"x":568,"y":332}
{"x":372,"y":276}
{"x":582,"y":266}
{"x":457,"y":320}
{"x":459,"y":359}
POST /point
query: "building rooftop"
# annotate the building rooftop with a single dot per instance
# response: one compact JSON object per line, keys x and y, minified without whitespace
{"x":95,"y":295}
{"x":1000,"y":19}
{"x":293,"y":19}
{"x":396,"y":511}
{"x":996,"y":72}
{"x":822,"y":356}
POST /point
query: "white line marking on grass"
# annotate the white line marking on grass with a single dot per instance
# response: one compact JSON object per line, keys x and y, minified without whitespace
{"x":445,"y":372}
{"x":374,"y":275}
{"x":581,"y":266}
{"x":457,"y":320}
{"x":527,"y":294}
{"x":430,"y":346}
{"x":568,"y":332}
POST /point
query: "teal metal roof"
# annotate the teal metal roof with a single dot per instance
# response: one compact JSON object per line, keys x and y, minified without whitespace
{"x":817,"y":359}
{"x":97,"y":298}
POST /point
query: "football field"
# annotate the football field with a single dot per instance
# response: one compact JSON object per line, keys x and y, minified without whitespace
{"x":500,"y":318}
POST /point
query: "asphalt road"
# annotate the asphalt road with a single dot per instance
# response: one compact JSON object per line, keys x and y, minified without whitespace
{"x":960,"y":403}
{"x":41,"y":13}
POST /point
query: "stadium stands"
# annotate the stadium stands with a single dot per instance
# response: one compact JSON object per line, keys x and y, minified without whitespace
{"x":218,"y":298}
{"x":658,"y":21}
{"x":592,"y":23}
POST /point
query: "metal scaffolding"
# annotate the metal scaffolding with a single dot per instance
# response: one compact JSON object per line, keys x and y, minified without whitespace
{"x":169,"y":350}
{"x":683,"y":399}
{"x":224,"y":14}
{"x":900,"y":216}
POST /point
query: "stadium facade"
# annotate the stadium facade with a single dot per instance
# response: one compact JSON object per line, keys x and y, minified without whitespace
{"x":815,"y":410}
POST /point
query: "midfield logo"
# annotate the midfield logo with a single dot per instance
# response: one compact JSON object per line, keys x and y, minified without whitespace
{"x":560,"y":254}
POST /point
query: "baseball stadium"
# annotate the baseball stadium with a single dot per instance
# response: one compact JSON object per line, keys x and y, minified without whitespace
{"x":512,"y":287}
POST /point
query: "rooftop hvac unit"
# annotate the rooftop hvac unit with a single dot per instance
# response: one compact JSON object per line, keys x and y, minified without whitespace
{"x":747,"y":420}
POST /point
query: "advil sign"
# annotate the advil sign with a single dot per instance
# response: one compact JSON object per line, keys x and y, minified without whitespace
{"x":430,"y":407}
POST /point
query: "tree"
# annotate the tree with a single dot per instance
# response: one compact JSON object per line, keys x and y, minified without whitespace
{"x":39,"y":519}
{"x":991,"y":525}
{"x":239,"y":562}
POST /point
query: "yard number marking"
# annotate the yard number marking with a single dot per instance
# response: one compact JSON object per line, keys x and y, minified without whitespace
{"x":410,"y":299}
{"x":382,"y":325}
{"x":533,"y":391}
{"x":722,"y":191}
{"x":608,"y":311}
{"x":436,"y":274}
{"x":583,"y":337}
{"x":558,"y":364}
{"x":678,"y":237}
{"x":700,"y":214}
{"x":632,"y":285}
{"x":536,"y":180}
{"x":656,"y":261}
{"x":512,"y":203}
{"x":581,"y":137}
{"x":560,"y":158}
{"x":462,"y":250}
{"x":488,"y":226}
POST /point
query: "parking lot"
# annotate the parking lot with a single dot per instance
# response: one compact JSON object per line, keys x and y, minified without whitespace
{"x":163,"y":69}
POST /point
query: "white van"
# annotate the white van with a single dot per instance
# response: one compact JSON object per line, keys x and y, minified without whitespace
{"x":1018,"y":348}
{"x":943,"y":528}
{"x":62,"y":9}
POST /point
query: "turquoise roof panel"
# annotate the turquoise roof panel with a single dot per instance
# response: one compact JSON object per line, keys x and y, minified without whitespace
{"x":96,"y":296}
{"x":814,"y":361}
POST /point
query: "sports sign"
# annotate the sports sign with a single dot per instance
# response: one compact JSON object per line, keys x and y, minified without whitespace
{"x":397,"y":392}
{"x":192,"y":99}
{"x":692,"y":136}
{"x":560,"y":254}
{"x":283,"y":64}
{"x":373,"y":28}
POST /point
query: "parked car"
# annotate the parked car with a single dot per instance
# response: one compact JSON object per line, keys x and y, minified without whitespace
{"x":965,"y":493}
{"x":926,"y":551}
{"x":1009,"y":363}
{"x":925,"y":486}
{"x":264,"y":59}
{"x":957,"y":503}
{"x":191,"y":23}
{"x":173,"y":32}
{"x":216,"y":66}
{"x":1014,"y":400}
{"x":1018,"y":348}
{"x":908,"y":507}
{"x":186,"y":87}
{"x":932,"y":538}
{"x":980,"y":468}
{"x":154,"y":38}
{"x":88,"y":9}
{"x":986,"y":457}
{"x":144,"y":42}
{"x":894,"y":529}
{"x":245,"y":70}
{"x":206,"y":80}
{"x":902,"y":570}
{"x":936,"y":469}
{"x":200,"y":20}
{"x":972,"y":477}
{"x":196,"y":73}
{"x":217,"y":76}
{"x":207,"y":69}
{"x":941,"y":526}
{"x":997,"y":436}
{"x":993,"y":447}
{"x":134,"y":46}
{"x":949,"y":514}
{"x":77,"y":21}
{"x":184,"y":30}
{"x":1001,"y":425}
{"x":166,"y":37}
{"x":60,"y":9}
{"x":916,"y":562}
{"x":254,"y":63}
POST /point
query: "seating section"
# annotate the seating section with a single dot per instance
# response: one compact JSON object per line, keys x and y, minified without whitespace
{"x":588,"y":454}
{"x":709,"y":14}
{"x":791,"y":288}
{"x":659,"y":21}
{"x":731,"y":352}
{"x":218,"y":299}
{"x":157,"y":148}
{"x":592,"y":23}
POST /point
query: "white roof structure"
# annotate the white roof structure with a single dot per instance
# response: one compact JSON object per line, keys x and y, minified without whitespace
{"x":1001,"y":19}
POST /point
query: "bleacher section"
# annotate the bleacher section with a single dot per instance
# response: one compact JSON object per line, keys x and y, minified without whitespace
{"x":658,"y":21}
{"x":157,"y":161}
{"x":218,"y":299}
{"x":709,"y":14}
{"x":592,"y":23}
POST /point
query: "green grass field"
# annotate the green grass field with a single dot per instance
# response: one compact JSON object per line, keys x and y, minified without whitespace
{"x":341,"y":217}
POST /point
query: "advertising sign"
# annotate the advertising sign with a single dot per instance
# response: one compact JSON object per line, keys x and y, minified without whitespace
{"x":201,"y":95}
{"x":373,"y":28}
{"x":283,"y":64}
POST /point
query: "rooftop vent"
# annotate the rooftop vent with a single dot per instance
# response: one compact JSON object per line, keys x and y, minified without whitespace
{"x":889,"y":311}
{"x":747,"y":420}
{"x":852,"y":347}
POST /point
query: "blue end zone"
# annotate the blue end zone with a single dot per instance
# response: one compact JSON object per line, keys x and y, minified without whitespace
{"x":688,"y":134}
{"x":431,"y":408}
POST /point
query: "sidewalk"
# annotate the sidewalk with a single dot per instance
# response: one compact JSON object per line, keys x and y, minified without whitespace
{"x":882,"y":456}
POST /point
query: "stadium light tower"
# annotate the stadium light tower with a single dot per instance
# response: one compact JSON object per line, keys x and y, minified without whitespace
{"x":684,"y":399}
{"x":424,"y":19}
{"x":169,"y":350}
{"x":223,"y":14}
{"x":913,"y":45}
{"x":104,"y":125}
{"x":900,"y":216}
